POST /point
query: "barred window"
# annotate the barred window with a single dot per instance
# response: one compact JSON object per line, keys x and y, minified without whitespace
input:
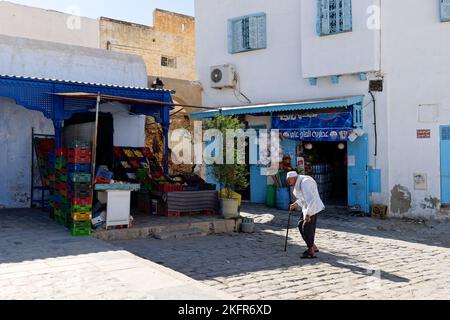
{"x":169,"y":62}
{"x":334,"y":16}
{"x":247,"y":33}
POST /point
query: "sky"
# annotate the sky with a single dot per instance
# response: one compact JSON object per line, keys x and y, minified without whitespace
{"x":138,"y":11}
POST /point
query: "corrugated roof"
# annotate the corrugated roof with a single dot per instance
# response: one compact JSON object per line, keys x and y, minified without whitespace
{"x":282,"y":107}
{"x":83,"y":83}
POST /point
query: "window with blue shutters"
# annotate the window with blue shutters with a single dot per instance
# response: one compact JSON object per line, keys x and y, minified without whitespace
{"x":247,"y":33}
{"x":445,"y":10}
{"x":334,"y":16}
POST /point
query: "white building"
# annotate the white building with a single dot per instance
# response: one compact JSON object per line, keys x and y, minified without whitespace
{"x":283,"y":52}
{"x":41,"y":59}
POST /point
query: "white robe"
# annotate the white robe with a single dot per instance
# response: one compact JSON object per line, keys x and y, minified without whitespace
{"x":308,"y":197}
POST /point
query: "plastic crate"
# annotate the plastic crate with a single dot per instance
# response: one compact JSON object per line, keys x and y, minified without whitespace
{"x":80,"y":228}
{"x":79,"y":186}
{"x":79,"y":167}
{"x":81,"y":201}
{"x":78,"y":143}
{"x":61,"y":152}
{"x":81,"y":208}
{"x":80,"y":177}
{"x":80,"y":159}
{"x":169,"y":188}
{"x":81,"y":216}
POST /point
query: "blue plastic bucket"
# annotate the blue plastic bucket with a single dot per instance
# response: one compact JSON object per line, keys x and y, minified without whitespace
{"x":283,"y":201}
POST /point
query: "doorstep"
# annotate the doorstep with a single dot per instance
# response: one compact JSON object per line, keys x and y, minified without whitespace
{"x":202,"y":228}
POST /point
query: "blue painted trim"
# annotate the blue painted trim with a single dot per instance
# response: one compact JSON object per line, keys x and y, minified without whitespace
{"x":335,"y":79}
{"x":313,"y":81}
{"x":311,"y":105}
{"x":445,"y":10}
{"x":231,"y":36}
{"x":374,"y":180}
{"x":363,"y":76}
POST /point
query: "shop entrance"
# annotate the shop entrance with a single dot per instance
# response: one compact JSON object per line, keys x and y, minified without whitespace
{"x":327,"y":163}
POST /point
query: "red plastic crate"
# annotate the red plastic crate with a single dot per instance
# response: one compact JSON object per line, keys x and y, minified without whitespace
{"x":79,"y":159}
{"x":81,"y":201}
{"x":118,"y":153}
{"x":87,"y":152}
{"x":102,"y":180}
{"x":61,"y":152}
{"x":169,"y":188}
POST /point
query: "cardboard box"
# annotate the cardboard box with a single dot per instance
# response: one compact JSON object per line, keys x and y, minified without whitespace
{"x":379,"y":211}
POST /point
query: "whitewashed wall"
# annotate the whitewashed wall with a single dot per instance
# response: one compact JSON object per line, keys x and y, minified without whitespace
{"x":356,"y":51}
{"x":25,"y":57}
{"x":417,"y":66}
{"x":276,"y":74}
{"x":28,"y":22}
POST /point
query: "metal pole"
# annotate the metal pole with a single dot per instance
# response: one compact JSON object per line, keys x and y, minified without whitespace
{"x":32,"y":168}
{"x":94,"y":141}
{"x":289,"y":220}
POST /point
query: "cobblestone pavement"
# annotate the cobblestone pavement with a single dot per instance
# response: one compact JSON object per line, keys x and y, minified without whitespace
{"x":40,"y":260}
{"x":360,"y":258}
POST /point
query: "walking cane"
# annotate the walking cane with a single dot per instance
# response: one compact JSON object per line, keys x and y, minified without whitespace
{"x":289,"y":220}
{"x":287,"y":231}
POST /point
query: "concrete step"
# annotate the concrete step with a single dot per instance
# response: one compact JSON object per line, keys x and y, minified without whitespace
{"x":180,"y":234}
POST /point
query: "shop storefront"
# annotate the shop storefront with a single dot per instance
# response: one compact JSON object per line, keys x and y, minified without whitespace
{"x":324,"y":139}
{"x":95,"y":169}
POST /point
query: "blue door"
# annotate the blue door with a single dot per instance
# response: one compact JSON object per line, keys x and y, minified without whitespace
{"x":358,"y":190}
{"x":445,"y":164}
{"x":258,"y":180}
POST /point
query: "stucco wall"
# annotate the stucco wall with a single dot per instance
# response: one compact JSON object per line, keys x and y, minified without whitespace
{"x":15,"y":157}
{"x":276,"y":74}
{"x":28,"y":22}
{"x":412,"y":57}
{"x":172,"y":35}
{"x":34,"y":58}
{"x":356,"y":51}
{"x":416,"y":64}
{"x":26,"y":57}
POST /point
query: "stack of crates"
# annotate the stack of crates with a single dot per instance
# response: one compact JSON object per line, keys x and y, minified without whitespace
{"x":60,"y":186}
{"x":80,"y":188}
{"x":51,"y":181}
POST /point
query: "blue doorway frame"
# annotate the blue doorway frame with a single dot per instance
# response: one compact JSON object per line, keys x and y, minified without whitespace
{"x":445,"y":164}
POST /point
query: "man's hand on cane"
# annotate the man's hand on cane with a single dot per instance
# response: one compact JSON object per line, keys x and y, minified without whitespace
{"x":293,"y":207}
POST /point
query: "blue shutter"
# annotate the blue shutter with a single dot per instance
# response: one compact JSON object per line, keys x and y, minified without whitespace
{"x":257,"y":31}
{"x":347,"y":15}
{"x":319,"y":17}
{"x":231,"y":48}
{"x":237,"y":40}
{"x":445,"y":10}
{"x":325,"y":17}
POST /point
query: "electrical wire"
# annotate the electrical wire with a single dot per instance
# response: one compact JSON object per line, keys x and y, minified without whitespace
{"x":375,"y":122}
{"x":237,"y":89}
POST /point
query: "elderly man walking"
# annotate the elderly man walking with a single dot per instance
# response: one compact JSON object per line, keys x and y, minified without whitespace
{"x":308,"y":199}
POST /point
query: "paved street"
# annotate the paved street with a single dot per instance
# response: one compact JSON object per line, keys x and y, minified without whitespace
{"x":360,"y":258}
{"x":40,"y":260}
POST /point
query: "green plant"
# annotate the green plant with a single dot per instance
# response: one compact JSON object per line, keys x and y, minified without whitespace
{"x":231,"y":177}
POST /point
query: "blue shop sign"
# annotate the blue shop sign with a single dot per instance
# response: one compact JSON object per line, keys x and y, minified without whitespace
{"x":341,"y":119}
{"x":316,"y":134}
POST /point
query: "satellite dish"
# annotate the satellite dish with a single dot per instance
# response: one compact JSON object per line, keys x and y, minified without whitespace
{"x":216,"y":75}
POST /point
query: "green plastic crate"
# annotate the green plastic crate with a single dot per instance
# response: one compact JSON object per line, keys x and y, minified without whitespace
{"x":81,"y":208}
{"x":80,"y":228}
{"x":80,"y":177}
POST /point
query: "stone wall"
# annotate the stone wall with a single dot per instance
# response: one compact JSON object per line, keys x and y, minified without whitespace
{"x":173,"y":36}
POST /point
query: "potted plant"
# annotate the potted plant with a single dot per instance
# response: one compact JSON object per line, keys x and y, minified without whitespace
{"x":231,"y":177}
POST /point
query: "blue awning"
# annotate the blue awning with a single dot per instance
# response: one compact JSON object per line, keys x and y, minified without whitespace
{"x":342,"y":102}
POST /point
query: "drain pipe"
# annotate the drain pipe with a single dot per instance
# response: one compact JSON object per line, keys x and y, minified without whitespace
{"x":375,"y":122}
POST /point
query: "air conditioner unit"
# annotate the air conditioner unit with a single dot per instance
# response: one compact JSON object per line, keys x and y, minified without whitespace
{"x":223,"y":76}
